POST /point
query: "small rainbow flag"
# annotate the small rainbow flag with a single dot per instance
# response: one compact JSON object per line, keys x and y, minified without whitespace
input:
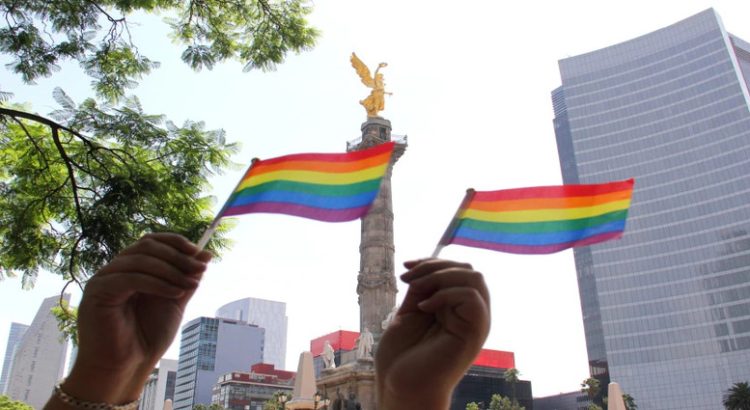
{"x":540,"y":220}
{"x":325,"y":187}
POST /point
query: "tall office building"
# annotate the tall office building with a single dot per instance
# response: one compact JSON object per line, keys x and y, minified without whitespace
{"x":39,"y":358}
{"x":160,"y":386}
{"x":210,"y":348}
{"x":666,"y":309}
{"x":268,"y":314}
{"x":17,"y":330}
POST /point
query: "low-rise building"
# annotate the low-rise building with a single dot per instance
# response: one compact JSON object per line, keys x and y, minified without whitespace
{"x":248,"y":391}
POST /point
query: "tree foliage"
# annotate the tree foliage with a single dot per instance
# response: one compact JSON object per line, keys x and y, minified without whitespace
{"x":738,"y":397}
{"x":629,"y":402}
{"x":511,"y":376}
{"x":6,"y":403}
{"x":591,"y":387}
{"x":67,"y":319}
{"x":274,"y":403}
{"x":38,"y":35}
{"x":472,"y":406}
{"x":77,"y":188}
{"x":499,"y":402}
{"x":70,"y":200}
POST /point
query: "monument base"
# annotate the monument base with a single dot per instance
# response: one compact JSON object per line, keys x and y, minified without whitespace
{"x":353,"y":381}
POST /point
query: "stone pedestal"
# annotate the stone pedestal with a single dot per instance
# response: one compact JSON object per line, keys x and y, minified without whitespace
{"x":352,"y":381}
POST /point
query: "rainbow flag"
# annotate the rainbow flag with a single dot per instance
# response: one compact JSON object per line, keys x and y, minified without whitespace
{"x":541,"y":220}
{"x":325,"y":187}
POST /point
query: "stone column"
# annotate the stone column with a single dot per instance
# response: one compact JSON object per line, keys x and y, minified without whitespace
{"x":376,"y":282}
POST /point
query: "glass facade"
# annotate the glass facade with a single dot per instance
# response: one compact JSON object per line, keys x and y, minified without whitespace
{"x":209,"y":348}
{"x":268,"y":314}
{"x":666,"y":309}
{"x":17,"y":330}
{"x":480,"y":383}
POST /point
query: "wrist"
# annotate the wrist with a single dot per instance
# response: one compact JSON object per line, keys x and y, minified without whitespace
{"x":61,"y":400}
{"x":92,"y":384}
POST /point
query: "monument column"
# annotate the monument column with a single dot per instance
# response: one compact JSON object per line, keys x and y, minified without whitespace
{"x":376,"y":282}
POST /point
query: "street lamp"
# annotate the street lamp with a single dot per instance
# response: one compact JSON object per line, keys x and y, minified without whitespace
{"x":282,"y":399}
{"x":324,"y":401}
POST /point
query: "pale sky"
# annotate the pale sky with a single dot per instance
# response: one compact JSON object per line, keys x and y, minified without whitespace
{"x":471,"y":83}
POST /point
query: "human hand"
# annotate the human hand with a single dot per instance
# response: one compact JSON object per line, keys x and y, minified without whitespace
{"x":129,"y":314}
{"x":435,"y":336}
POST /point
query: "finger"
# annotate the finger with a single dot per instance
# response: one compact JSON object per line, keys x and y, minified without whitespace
{"x":204,"y":256}
{"x":462,"y":311}
{"x":428,"y":266}
{"x":451,"y":277}
{"x":154,"y":266}
{"x":176,"y":241}
{"x":117,"y":288}
{"x":167,"y":250}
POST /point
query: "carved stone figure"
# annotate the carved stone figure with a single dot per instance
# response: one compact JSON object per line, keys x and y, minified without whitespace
{"x":351,"y":402}
{"x":375,"y":102}
{"x":329,"y":359}
{"x":389,"y":318}
{"x":364,"y":344}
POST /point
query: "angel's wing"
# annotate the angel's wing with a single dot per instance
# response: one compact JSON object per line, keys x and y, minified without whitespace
{"x":362,"y":71}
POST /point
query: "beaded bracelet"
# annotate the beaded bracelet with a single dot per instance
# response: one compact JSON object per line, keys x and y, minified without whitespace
{"x":82,"y":404}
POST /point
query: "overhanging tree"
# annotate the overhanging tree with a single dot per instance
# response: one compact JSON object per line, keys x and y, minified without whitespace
{"x":78,"y":186}
{"x":40,"y":34}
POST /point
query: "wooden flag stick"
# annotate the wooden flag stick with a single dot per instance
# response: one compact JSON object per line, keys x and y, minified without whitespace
{"x":449,"y":231}
{"x":215,"y":223}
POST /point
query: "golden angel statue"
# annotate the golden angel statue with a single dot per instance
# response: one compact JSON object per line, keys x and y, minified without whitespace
{"x":375,"y":102}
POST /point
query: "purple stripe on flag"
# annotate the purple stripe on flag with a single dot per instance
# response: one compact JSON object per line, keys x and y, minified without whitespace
{"x":326,"y":215}
{"x":538,"y":249}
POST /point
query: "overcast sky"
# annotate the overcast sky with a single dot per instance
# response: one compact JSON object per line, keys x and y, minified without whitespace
{"x":471,"y":83}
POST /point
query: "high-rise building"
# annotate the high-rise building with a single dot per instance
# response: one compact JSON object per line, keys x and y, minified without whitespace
{"x":39,"y":358}
{"x":17,"y":331}
{"x":268,"y":314}
{"x":666,"y":309}
{"x":159,"y":386}
{"x":209,"y":348}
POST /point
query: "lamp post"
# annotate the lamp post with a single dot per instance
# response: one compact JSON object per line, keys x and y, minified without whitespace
{"x":322,"y":400}
{"x":282,"y":399}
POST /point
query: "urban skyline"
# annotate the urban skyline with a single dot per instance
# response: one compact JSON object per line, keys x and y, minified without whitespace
{"x":666,"y":309}
{"x":475,"y":104}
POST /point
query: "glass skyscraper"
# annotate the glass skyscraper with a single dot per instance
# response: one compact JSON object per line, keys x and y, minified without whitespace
{"x":210,"y":348}
{"x":268,"y":314}
{"x":15,"y":335}
{"x":39,"y":358}
{"x":666,"y":309}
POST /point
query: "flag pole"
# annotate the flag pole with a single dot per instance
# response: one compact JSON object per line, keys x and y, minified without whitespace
{"x":448,"y":234}
{"x":203,"y":241}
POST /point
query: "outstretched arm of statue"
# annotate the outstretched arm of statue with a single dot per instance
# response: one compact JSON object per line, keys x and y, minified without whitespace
{"x":435,"y":336}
